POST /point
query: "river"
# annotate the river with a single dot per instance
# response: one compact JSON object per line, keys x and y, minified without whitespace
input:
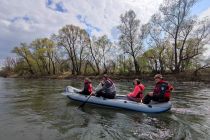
{"x":36,"y":110}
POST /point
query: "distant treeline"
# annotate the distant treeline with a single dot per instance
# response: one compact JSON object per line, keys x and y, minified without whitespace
{"x":172,"y":41}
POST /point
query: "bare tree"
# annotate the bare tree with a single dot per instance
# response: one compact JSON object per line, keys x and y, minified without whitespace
{"x":10,"y":63}
{"x":131,"y":37}
{"x":158,"y":43}
{"x":74,"y":40}
{"x":176,"y":21}
{"x":201,"y":64}
{"x":96,"y":55}
{"x":24,"y":52}
{"x":104,"y":45}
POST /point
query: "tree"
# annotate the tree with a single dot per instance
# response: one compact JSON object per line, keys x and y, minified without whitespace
{"x":104,"y":45}
{"x":24,"y":52}
{"x":175,"y":19}
{"x":9,"y":64}
{"x":121,"y":61}
{"x":131,"y":37}
{"x":75,"y":41}
{"x":100,"y":49}
{"x":95,"y":54}
{"x":158,"y":43}
{"x":201,"y":64}
{"x":44,"y":54}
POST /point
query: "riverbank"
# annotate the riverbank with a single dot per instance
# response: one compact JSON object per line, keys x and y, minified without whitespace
{"x":184,"y":76}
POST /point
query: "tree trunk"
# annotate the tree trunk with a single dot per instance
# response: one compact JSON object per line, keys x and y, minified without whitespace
{"x":136,"y":65}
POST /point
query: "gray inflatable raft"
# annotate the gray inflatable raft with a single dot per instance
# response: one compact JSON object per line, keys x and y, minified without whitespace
{"x":119,"y":102}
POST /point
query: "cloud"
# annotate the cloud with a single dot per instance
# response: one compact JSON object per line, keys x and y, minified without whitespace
{"x":206,"y":54}
{"x":56,"y":6}
{"x":89,"y":27}
{"x":205,"y":14}
{"x":26,"y":20}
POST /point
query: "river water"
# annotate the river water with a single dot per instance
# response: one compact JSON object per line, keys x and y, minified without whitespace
{"x":36,"y":110}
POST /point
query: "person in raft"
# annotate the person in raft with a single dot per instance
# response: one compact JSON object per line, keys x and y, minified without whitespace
{"x":161,"y":92}
{"x":107,"y":89}
{"x":137,"y":93}
{"x":88,"y":88}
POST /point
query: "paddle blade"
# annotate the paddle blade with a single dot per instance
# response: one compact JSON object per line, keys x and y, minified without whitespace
{"x":85,"y":101}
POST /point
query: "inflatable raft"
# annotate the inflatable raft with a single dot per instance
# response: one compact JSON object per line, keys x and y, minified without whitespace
{"x":119,"y":102}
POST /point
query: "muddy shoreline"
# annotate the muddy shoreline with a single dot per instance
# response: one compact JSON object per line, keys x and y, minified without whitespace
{"x":182,"y":77}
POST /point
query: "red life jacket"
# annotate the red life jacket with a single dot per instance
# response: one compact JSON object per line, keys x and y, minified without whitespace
{"x":88,"y":87}
{"x":162,"y":88}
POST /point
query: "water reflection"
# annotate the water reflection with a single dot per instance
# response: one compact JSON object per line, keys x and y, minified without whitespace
{"x":35,"y":109}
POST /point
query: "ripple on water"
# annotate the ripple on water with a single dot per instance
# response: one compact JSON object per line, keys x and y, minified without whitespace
{"x":35,"y":109}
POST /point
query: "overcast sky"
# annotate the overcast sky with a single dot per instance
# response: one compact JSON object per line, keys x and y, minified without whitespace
{"x":26,"y":20}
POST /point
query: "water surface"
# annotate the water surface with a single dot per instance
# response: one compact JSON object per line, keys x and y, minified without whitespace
{"x":36,"y":110}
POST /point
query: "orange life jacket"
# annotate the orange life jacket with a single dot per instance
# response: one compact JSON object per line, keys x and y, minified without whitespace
{"x":138,"y":91}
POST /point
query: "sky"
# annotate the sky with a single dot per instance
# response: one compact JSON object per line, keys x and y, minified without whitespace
{"x":26,"y":20}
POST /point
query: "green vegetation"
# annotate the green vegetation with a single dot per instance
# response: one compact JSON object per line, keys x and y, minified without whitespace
{"x":171,"y":42}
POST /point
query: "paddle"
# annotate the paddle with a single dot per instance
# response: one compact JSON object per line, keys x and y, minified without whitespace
{"x":88,"y":97}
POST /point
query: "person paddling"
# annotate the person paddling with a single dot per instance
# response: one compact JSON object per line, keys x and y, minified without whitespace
{"x":161,"y":92}
{"x":88,"y":88}
{"x":137,"y":93}
{"x":107,"y":89}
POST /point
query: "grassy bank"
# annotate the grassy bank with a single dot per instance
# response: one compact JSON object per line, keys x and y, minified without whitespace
{"x":203,"y":76}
